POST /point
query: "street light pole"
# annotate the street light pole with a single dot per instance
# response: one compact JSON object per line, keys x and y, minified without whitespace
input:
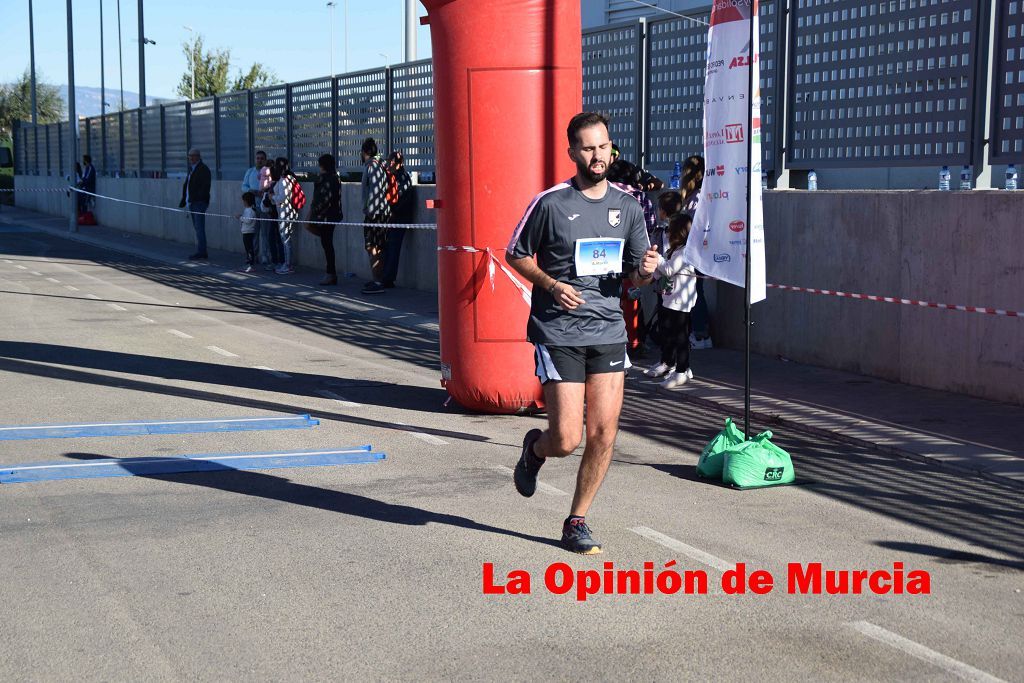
{"x":192,"y":58}
{"x":142,"y":60}
{"x":120,"y":59}
{"x":72,"y":121}
{"x":346,"y":36}
{"x":331,"y":5}
{"x":32,"y":63}
{"x":103,"y":76}
{"x":410,"y":30}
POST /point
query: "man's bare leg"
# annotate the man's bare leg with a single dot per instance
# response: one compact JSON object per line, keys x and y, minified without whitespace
{"x":564,"y":404}
{"x":604,"y":403}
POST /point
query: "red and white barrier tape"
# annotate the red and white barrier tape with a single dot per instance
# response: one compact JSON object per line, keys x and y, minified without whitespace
{"x":907,"y":302}
{"x":492,"y":263}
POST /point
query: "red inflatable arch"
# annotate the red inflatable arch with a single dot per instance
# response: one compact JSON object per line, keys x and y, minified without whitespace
{"x":507,"y":79}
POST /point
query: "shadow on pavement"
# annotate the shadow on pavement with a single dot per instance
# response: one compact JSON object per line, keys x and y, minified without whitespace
{"x":947,"y":556}
{"x":270,"y":487}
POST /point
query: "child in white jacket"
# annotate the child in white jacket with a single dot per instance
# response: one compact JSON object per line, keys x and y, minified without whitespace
{"x":678,"y":283}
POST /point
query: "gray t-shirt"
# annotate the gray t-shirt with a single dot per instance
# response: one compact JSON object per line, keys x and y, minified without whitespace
{"x":555,"y":220}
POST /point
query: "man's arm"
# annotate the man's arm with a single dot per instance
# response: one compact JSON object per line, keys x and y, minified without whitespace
{"x":564,"y":294}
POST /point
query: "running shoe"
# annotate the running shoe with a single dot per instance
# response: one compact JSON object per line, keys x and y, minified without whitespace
{"x":659,"y":370}
{"x":525,"y":474}
{"x":576,"y":537}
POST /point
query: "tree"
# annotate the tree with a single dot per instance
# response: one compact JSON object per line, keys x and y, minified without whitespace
{"x":212,"y":72}
{"x":16,"y":103}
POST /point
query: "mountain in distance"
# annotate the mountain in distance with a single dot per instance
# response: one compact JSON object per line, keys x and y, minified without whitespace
{"x":87,"y":99}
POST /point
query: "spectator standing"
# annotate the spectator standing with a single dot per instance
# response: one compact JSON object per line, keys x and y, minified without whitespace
{"x":400,"y":197}
{"x":623,"y":171}
{"x":376,"y":212}
{"x":327,"y":208}
{"x":691,"y":183}
{"x":679,"y":294}
{"x":284,"y":199}
{"x":269,"y":227}
{"x":195,"y":198}
{"x":87,"y":183}
{"x":247,"y":221}
{"x":257,"y":181}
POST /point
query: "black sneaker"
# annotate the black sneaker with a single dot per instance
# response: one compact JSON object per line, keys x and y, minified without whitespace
{"x":373,"y":288}
{"x":525,"y":474}
{"x":197,"y":257}
{"x":576,"y":537}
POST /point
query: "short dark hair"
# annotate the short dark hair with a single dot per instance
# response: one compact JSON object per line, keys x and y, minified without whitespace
{"x":326,"y":161}
{"x":370,"y":147}
{"x":248,"y":198}
{"x":584,"y":120}
{"x":260,"y":151}
{"x":86,"y":158}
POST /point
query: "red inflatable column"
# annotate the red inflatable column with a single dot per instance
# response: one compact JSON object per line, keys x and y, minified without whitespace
{"x":507,"y":79}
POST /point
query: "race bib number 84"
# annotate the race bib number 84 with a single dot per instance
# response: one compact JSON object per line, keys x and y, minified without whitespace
{"x":599,"y":256}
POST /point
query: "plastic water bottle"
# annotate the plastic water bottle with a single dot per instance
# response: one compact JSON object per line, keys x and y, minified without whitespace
{"x":944,"y":176}
{"x":965,"y":178}
{"x":1011,"y":177}
{"x":676,"y":176}
{"x":812,"y":180}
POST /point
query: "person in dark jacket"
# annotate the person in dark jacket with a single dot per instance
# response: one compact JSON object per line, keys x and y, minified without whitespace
{"x":628,"y":173}
{"x":327,"y":207}
{"x":195,"y":198}
{"x":402,"y":212}
{"x":87,"y":182}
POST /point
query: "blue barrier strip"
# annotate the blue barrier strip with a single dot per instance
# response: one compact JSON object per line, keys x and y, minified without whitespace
{"x":236,"y":424}
{"x":217,"y":462}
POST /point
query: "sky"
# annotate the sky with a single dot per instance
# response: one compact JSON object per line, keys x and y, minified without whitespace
{"x":292,"y":38}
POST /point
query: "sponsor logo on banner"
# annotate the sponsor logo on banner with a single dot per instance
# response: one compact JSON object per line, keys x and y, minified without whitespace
{"x":715,"y":65}
{"x":737,"y":226}
{"x":729,"y":134}
{"x":741,"y":170}
{"x":741,"y":61}
{"x":614,"y":217}
{"x":722,"y":258}
{"x":757,"y":131}
{"x":736,"y":97}
{"x":718,"y":170}
{"x":722,"y":194}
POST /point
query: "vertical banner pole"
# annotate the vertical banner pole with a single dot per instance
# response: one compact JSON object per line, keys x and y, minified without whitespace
{"x":747,"y":322}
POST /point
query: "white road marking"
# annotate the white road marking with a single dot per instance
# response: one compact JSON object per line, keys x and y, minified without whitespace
{"x":341,"y":400}
{"x":541,"y":486}
{"x":93,"y":296}
{"x":145,"y":319}
{"x":272,"y":371}
{"x":688,"y":550}
{"x":151,"y":423}
{"x":7,"y":260}
{"x":179,"y":333}
{"x":223,"y":352}
{"x":71,"y":288}
{"x":953,"y":666}
{"x":53,"y":280}
{"x":35,"y":272}
{"x":20,"y":267}
{"x":429,"y":438}
{"x":234,"y":276}
{"x":117,"y":307}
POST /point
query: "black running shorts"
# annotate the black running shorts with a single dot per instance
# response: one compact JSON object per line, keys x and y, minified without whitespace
{"x":574,"y":363}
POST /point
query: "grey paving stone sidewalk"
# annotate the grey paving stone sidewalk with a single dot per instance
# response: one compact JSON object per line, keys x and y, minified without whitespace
{"x":960,"y":432}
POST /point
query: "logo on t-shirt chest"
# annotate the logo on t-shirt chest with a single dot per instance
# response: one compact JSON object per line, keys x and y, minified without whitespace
{"x":614,"y":217}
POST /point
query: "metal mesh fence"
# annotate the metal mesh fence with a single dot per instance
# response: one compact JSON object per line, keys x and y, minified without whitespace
{"x":412,"y":114}
{"x":362,"y":113}
{"x":175,"y":138}
{"x":270,"y":120}
{"x":152,"y":142}
{"x":611,"y":59}
{"x":53,"y":149}
{"x":1008,"y":84}
{"x":312,"y":123}
{"x":112,"y":158}
{"x":130,"y":128}
{"x":95,"y":137}
{"x":233,"y":135}
{"x":202,"y":131}
{"x":65,"y":145}
{"x":883,"y":82}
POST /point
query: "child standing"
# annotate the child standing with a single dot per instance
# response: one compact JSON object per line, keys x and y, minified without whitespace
{"x":678,"y":284}
{"x":247,"y":219}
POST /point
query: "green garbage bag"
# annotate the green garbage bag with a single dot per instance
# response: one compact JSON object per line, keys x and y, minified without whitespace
{"x":711,"y":459}
{"x":757,"y":463}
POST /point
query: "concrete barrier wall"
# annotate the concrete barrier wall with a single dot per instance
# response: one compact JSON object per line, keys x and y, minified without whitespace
{"x":949,"y":247}
{"x":418,"y":268}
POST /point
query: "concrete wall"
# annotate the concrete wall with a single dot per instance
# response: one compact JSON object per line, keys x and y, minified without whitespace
{"x":418,"y":268}
{"x":948,"y":247}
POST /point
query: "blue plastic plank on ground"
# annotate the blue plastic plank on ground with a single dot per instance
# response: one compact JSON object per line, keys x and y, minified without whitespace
{"x":215,"y":462}
{"x":235,"y":424}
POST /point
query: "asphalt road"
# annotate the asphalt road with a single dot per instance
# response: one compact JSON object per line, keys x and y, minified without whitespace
{"x":375,"y":570}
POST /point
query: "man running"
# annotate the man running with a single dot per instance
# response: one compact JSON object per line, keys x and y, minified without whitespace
{"x":586,"y":236}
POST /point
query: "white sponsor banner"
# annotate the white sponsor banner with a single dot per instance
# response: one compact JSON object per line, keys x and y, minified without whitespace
{"x":718,"y":240}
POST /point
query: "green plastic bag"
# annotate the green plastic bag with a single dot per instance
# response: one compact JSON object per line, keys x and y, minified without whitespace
{"x":757,"y":463}
{"x":711,"y":459}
